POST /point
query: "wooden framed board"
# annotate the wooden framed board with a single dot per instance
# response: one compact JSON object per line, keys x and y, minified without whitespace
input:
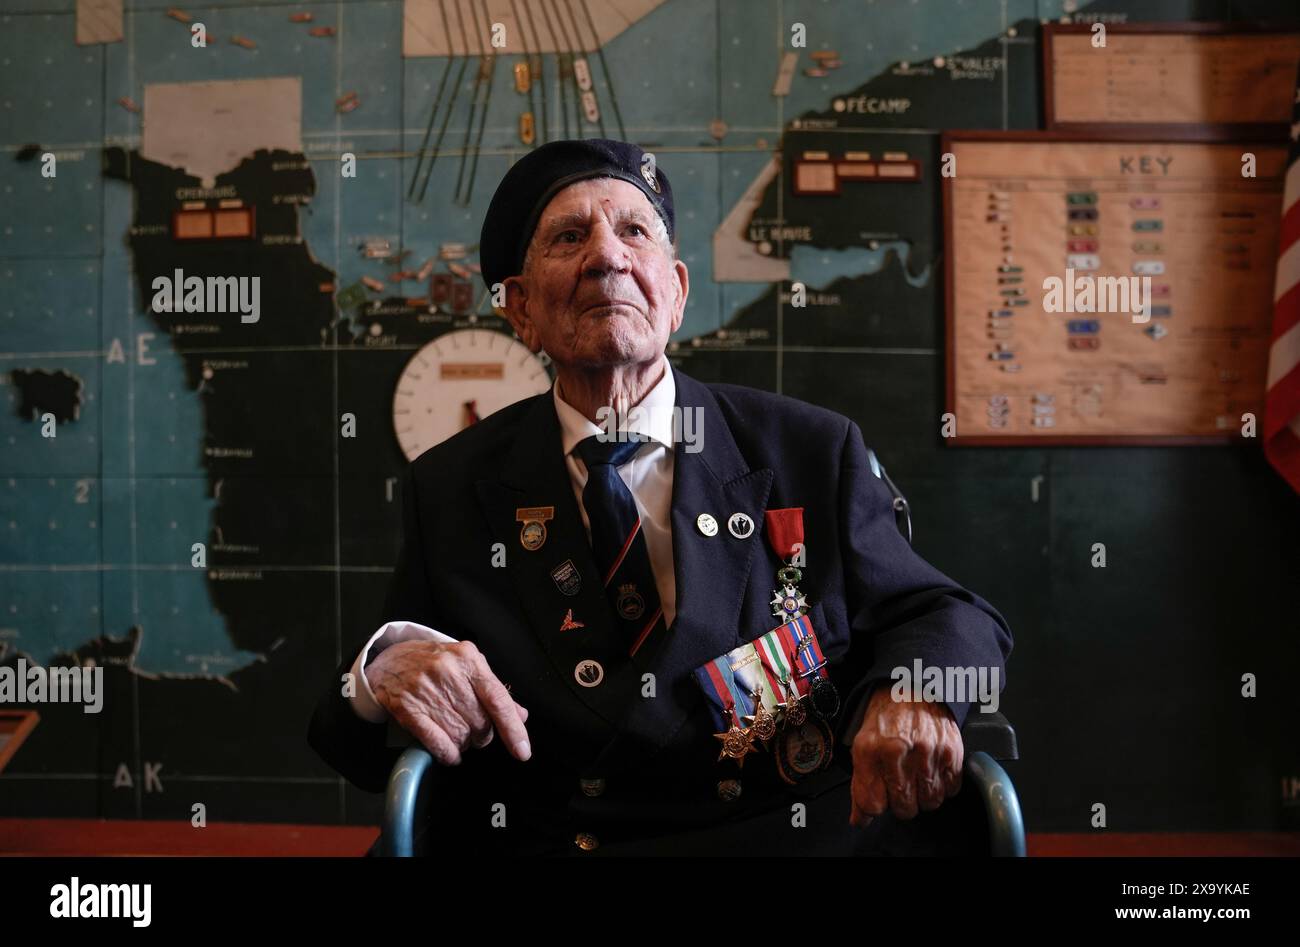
{"x":1196,"y":81}
{"x":1032,"y":219}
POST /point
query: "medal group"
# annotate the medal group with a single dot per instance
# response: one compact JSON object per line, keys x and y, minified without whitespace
{"x":770,"y":693}
{"x":777,"y":686}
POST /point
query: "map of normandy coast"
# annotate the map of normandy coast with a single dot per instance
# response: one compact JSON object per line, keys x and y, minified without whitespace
{"x":258,"y":415}
{"x":218,"y":516}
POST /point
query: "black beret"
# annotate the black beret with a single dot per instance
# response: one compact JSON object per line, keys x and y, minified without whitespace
{"x":539,"y":175}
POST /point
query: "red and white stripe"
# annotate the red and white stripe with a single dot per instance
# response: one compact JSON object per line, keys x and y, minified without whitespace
{"x":1282,"y":394}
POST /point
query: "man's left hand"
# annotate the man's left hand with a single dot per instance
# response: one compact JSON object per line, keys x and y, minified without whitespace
{"x":906,"y":755}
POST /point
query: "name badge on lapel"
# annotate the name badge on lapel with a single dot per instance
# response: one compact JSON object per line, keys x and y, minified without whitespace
{"x":533,"y":532}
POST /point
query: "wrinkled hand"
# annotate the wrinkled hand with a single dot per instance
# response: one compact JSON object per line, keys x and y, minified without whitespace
{"x":906,"y":754}
{"x":447,"y":697}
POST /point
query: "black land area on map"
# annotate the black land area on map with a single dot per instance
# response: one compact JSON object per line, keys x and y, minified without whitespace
{"x":57,"y":392}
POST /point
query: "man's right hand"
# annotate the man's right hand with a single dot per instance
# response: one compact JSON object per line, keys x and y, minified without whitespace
{"x":447,"y":697}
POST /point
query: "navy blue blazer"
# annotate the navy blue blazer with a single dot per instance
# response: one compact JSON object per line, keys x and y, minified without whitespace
{"x":874,"y":603}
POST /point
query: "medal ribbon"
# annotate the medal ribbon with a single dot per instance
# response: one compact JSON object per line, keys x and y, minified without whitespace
{"x":784,"y":531}
{"x":723,"y":692}
{"x":779,"y":649}
{"x":748,"y":671}
{"x":779,"y":655}
{"x":809,"y":657}
{"x":776,"y":662}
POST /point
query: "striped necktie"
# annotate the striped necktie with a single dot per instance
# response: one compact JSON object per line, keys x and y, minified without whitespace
{"x":617,"y":539}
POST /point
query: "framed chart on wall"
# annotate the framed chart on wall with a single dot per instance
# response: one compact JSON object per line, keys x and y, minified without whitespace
{"x":1107,"y":289}
{"x":1196,"y":81}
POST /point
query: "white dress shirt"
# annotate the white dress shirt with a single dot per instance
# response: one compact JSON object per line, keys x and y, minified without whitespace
{"x":649,"y":477}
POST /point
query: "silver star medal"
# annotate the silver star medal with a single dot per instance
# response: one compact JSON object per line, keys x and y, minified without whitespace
{"x":788,"y":604}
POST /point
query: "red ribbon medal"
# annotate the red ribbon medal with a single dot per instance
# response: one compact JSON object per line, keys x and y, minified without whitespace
{"x":785,"y":535}
{"x":784,"y":531}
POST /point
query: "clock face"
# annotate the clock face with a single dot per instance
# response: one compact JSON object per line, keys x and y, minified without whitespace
{"x":458,"y":379}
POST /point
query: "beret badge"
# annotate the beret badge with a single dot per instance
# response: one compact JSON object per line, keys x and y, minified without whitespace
{"x":648,"y":172}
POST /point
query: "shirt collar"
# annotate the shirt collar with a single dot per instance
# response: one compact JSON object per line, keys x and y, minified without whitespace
{"x":651,"y":416}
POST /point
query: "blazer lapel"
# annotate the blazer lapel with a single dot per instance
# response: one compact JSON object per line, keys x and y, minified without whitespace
{"x":535,"y":475}
{"x":712,"y":572}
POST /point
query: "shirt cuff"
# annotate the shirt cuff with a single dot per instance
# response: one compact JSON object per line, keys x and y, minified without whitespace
{"x":363,"y":700}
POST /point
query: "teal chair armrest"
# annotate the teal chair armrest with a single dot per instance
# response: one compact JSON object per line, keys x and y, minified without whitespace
{"x":988,"y":738}
{"x":1001,"y":804}
{"x":402,"y":803}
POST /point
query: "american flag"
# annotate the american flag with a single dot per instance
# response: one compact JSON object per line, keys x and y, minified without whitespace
{"x":1282,"y":398}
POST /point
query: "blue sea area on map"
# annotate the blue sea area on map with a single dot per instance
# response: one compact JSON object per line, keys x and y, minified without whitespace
{"x":818,"y":268}
{"x":120,"y":555}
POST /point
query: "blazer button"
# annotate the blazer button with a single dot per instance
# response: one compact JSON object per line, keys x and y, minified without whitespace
{"x":592,"y":787}
{"x":729,"y":790}
{"x":586,"y":841}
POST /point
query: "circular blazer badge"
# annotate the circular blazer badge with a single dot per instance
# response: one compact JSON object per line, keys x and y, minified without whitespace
{"x":589,"y":673}
{"x":533,"y":532}
{"x":532,"y":536}
{"x":630,"y":604}
{"x":740,"y":525}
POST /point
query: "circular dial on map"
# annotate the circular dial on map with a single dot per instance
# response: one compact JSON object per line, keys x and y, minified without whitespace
{"x":460,"y":378}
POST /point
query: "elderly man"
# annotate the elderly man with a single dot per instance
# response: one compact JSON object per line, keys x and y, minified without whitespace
{"x":642,"y":614}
